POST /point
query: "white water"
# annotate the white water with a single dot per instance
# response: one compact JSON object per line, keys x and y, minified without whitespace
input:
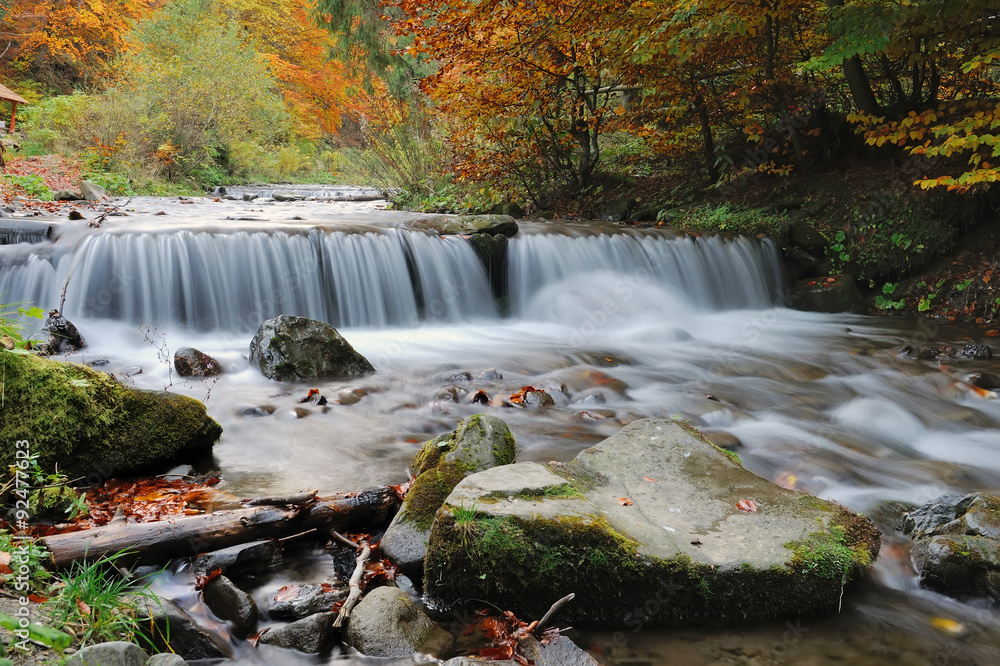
{"x":821,"y":398}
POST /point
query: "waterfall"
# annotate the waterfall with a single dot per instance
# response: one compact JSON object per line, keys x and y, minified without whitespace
{"x":232,"y":282}
{"x":712,"y":272}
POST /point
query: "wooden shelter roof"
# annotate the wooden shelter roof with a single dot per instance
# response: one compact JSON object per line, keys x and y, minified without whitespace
{"x":11,"y":96}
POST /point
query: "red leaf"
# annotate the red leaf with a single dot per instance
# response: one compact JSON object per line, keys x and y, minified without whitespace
{"x":201,"y":582}
{"x":746,"y":505}
{"x":287,"y":593}
{"x":84,"y":608}
{"x":624,"y":501}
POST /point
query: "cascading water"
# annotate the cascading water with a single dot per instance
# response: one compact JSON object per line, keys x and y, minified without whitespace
{"x":616,"y":324}
{"x":233,"y":281}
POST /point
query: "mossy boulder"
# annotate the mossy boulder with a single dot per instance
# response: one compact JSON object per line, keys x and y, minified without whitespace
{"x":654,"y":524}
{"x":956,"y":544}
{"x":290,"y":349}
{"x":90,"y":425}
{"x":504,"y":225}
{"x":479,"y":442}
{"x":834,"y":293}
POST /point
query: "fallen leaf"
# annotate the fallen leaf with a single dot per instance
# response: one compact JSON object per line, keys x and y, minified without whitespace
{"x":746,"y":505}
{"x":624,"y":501}
{"x":651,"y":480}
{"x":84,"y":608}
{"x":948,"y":626}
{"x":287,"y":593}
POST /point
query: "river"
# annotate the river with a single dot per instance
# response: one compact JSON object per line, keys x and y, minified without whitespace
{"x":616,"y":324}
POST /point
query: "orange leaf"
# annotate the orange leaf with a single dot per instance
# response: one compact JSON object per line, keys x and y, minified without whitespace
{"x":746,"y":505}
{"x":651,"y":480}
{"x":624,"y":501}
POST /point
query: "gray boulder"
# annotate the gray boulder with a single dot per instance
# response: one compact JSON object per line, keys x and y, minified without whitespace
{"x":480,"y":442}
{"x":387,"y":623}
{"x":190,"y":362}
{"x":251,"y":557}
{"x":171,"y":629}
{"x":307,"y":600}
{"x":654,"y":524}
{"x":63,"y":335}
{"x":230,"y":603}
{"x":561,"y":652}
{"x":804,"y":235}
{"x":116,"y":653}
{"x":616,"y":210}
{"x":312,"y":634}
{"x":289,"y":348}
{"x":66,"y":195}
{"x":92,"y":191}
{"x":956,"y":544}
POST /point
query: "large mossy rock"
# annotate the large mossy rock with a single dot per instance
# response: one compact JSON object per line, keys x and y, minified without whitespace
{"x":504,"y":225}
{"x":956,"y":544}
{"x":290,"y":349}
{"x":646,"y":526}
{"x":480,"y":442}
{"x":90,"y":425}
{"x":834,"y":293}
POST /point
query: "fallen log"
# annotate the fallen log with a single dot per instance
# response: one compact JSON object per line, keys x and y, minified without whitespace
{"x":188,"y":536}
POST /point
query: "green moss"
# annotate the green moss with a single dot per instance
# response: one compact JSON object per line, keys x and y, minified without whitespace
{"x":53,"y":503}
{"x":732,"y":455}
{"x":849,"y":544}
{"x":444,"y":461}
{"x":88,"y":424}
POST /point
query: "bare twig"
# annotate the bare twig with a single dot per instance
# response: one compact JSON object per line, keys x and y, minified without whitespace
{"x":344,"y":540}
{"x":296,"y":536}
{"x":62,"y":296}
{"x":352,"y":599}
{"x":99,"y":220}
{"x":552,"y":611}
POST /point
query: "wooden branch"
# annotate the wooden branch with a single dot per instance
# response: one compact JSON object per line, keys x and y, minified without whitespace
{"x":553,"y":610}
{"x":190,"y":535}
{"x":355,"y":594}
{"x":296,"y":499}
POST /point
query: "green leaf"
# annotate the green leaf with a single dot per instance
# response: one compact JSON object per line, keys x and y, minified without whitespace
{"x":53,"y":638}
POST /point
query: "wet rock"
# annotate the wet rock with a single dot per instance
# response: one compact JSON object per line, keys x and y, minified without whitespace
{"x":836,"y":293}
{"x":257,"y":410}
{"x":232,"y":604}
{"x":457,"y":377}
{"x":978,"y":351}
{"x":350,"y":396}
{"x":489,"y":375}
{"x":387,"y":623}
{"x":503,"y":225}
{"x":166,"y":659}
{"x":648,"y":214}
{"x":983,"y":380}
{"x":66,"y":195}
{"x":287,"y":196}
{"x":803,"y":235}
{"x":450,"y":394}
{"x":956,"y":544}
{"x":562,"y":652}
{"x":289,"y":348}
{"x":190,"y":362}
{"x":131,"y":370}
{"x":175,"y":631}
{"x":801,"y":264}
{"x":480,"y":442}
{"x":308,"y":600}
{"x":98,"y":362}
{"x":535,"y":399}
{"x":252,"y":557}
{"x":722,"y":439}
{"x":616,"y":210}
{"x":925,"y":353}
{"x":92,"y":191}
{"x":63,"y":335}
{"x":471,"y":661}
{"x":116,"y":653}
{"x":94,"y":427}
{"x":654,"y":524}
{"x":312,"y":634}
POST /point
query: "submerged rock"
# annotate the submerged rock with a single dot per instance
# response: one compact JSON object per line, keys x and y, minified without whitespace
{"x":312,"y":634}
{"x":480,"y":442}
{"x":978,"y":351}
{"x":387,"y":623}
{"x":654,"y":524}
{"x":173,"y":630}
{"x":297,"y":602}
{"x":230,"y":603}
{"x":956,"y":544}
{"x":252,"y":557}
{"x":191,"y":362}
{"x":91,"y":425}
{"x":289,"y":348}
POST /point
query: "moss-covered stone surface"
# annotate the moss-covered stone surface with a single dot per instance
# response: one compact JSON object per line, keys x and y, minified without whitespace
{"x":91,"y":426}
{"x":479,"y":442}
{"x":644,"y":527}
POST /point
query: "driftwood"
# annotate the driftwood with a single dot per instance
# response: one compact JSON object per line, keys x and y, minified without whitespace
{"x":359,"y":570}
{"x":184,"y":537}
{"x":298,"y":498}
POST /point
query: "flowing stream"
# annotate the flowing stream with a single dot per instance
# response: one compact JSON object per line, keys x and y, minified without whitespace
{"x":616,"y":324}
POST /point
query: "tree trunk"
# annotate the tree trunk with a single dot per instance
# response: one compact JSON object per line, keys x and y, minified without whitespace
{"x":857,"y":80}
{"x":185,"y":537}
{"x":707,"y":140}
